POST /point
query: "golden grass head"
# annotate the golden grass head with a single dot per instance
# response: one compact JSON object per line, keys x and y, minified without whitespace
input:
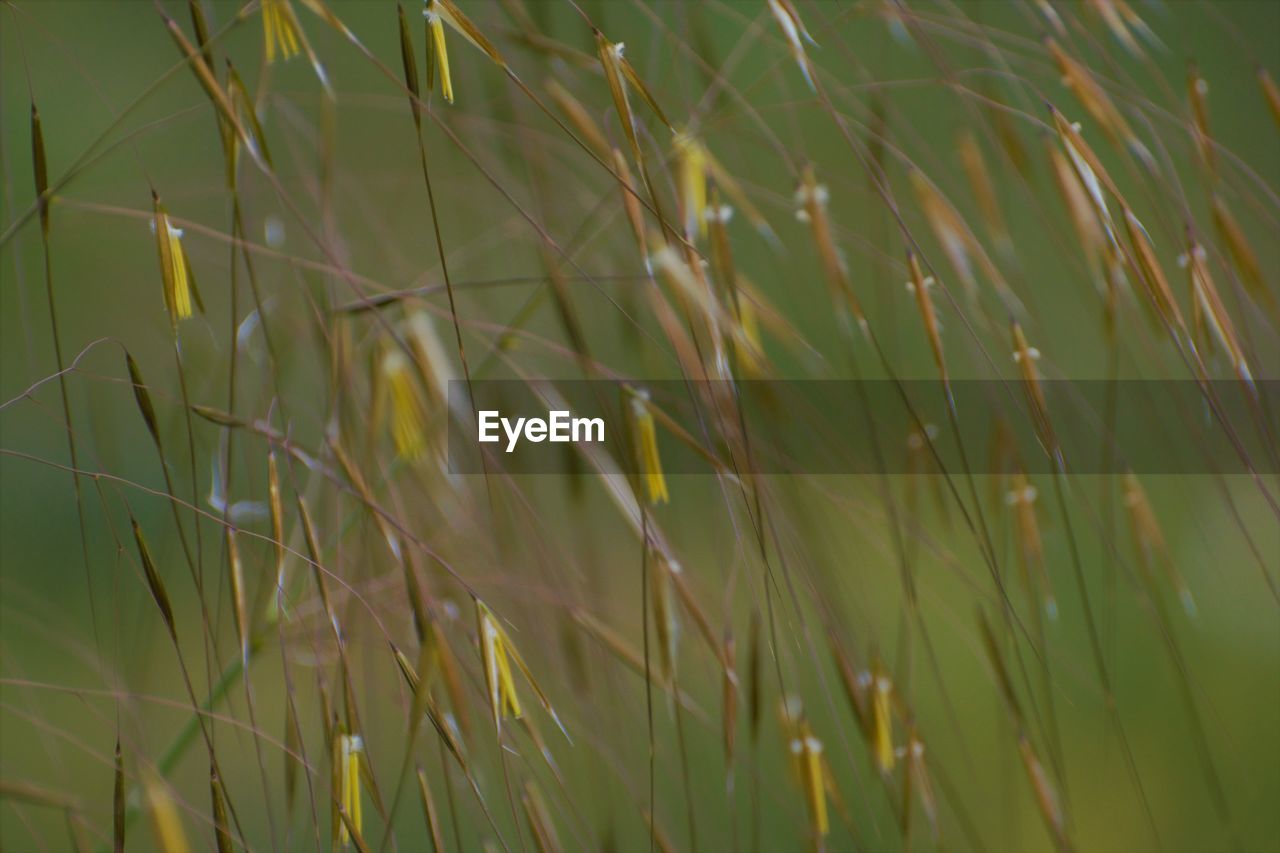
{"x":793,"y":30}
{"x":438,"y":47}
{"x":280,"y":30}
{"x":645,"y":438}
{"x":166,"y":821}
{"x":495,"y":650}
{"x":177,"y":278}
{"x":408,"y":420}
{"x":882,"y":721}
{"x":349,"y":756}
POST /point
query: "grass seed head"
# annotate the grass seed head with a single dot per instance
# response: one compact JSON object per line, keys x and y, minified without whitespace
{"x":919,"y":286}
{"x":541,"y":827}
{"x":1210,"y":313}
{"x":793,"y":30}
{"x":280,"y":30}
{"x":494,"y":648}
{"x":180,"y":294}
{"x":349,"y":758}
{"x":166,"y":822}
{"x":439,"y":47}
{"x":154,"y":582}
{"x":1271,"y":92}
{"x":882,"y":720}
{"x":408,"y":422}
{"x":1151,"y":272}
{"x":645,"y":436}
{"x":581,"y":120}
{"x":1241,"y":252}
{"x":40,"y":169}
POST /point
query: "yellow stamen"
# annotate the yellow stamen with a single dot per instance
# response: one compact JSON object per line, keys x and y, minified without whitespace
{"x":693,"y":183}
{"x":407,"y":426}
{"x":813,"y":777}
{"x":352,"y":747}
{"x":882,"y":725}
{"x":1151,"y":273}
{"x":1241,"y":251}
{"x":793,"y":29}
{"x":750,"y":358}
{"x":665,"y":618}
{"x":808,"y":763}
{"x":170,"y":837}
{"x":175,"y":269}
{"x":441,"y":49}
{"x":497,"y":667}
{"x":646,"y":436}
{"x":280,"y":29}
{"x":1271,"y":92}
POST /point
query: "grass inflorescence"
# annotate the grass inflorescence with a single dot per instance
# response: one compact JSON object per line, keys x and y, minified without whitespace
{"x":249,"y":603}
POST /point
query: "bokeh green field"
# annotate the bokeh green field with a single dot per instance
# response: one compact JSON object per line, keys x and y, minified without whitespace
{"x":84,"y":655}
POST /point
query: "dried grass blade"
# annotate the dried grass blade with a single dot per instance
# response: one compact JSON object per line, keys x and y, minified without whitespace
{"x":458,"y":20}
{"x":443,"y":729}
{"x":165,"y":820}
{"x":1197,"y":96}
{"x":919,"y":286}
{"x":239,"y":609}
{"x":318,"y":572}
{"x":410,"y":63}
{"x":1271,"y":92}
{"x":221,"y":830}
{"x":429,"y":812}
{"x":796,"y":35}
{"x":200,"y":24}
{"x":537,"y":689}
{"x":1210,"y":309}
{"x":117,"y":802}
{"x":143,"y":398}
{"x":729,"y":706}
{"x":581,"y":120}
{"x":1242,"y":254}
{"x":276,"y":508}
{"x":812,"y":200}
{"x":238,"y":95}
{"x":1152,"y":274}
{"x":610,"y":56}
{"x":541,"y":826}
{"x":154,"y":581}
{"x":975,"y":167}
{"x":1026,"y":356}
{"x":210,"y":85}
{"x":40,"y":167}
{"x":292,"y":751}
{"x":622,"y":650}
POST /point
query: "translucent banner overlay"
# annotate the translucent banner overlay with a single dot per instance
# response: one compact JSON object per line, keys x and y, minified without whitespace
{"x":877,"y":426}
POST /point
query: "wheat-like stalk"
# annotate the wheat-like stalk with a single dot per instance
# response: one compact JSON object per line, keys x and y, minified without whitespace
{"x":302,"y":608}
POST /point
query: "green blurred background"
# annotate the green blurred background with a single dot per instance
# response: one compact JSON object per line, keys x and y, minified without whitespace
{"x":76,"y":655}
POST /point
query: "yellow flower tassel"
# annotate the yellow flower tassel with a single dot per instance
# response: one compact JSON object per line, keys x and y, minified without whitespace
{"x":437,"y":48}
{"x":881,"y":722}
{"x":351,"y":748}
{"x":809,"y":764}
{"x":280,"y":29}
{"x":808,"y":751}
{"x":165,"y":821}
{"x":497,"y":667}
{"x":407,"y":426}
{"x":693,"y":183}
{"x":498,"y":653}
{"x":646,"y":438}
{"x":175,"y":269}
